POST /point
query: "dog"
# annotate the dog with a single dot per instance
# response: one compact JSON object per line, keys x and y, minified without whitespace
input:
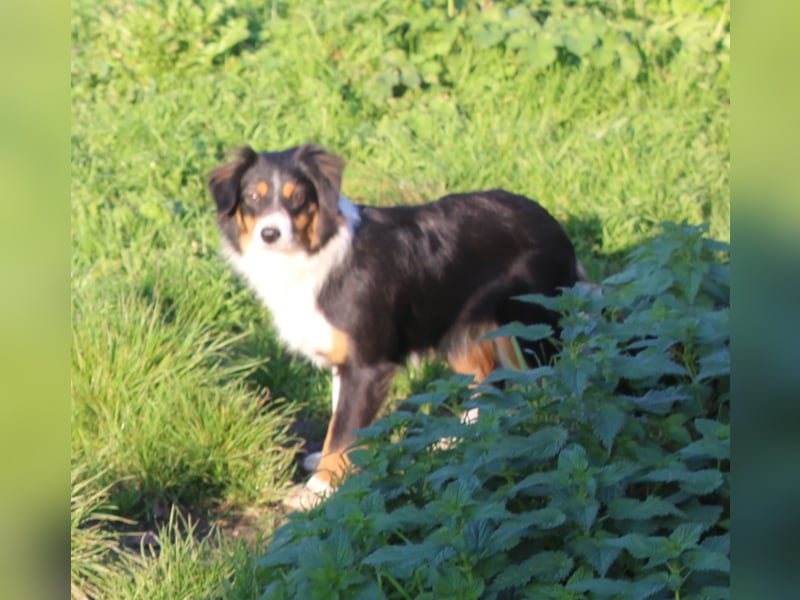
{"x":358,"y":289}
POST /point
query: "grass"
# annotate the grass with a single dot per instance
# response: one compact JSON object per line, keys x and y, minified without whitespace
{"x":183,"y":400}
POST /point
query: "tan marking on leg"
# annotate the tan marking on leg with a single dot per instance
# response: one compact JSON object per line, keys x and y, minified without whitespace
{"x":334,"y":463}
{"x":477,"y":360}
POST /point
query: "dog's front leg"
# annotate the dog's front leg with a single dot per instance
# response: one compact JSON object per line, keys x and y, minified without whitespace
{"x":311,"y":461}
{"x":358,"y":393}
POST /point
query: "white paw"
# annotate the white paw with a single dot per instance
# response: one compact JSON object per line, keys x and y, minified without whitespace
{"x":311,"y":462}
{"x":306,"y":497}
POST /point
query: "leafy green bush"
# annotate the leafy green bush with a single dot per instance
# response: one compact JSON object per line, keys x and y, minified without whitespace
{"x":380,"y":50}
{"x":603,"y":475}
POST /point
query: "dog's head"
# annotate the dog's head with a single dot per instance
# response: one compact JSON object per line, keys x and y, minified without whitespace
{"x":284,"y":201}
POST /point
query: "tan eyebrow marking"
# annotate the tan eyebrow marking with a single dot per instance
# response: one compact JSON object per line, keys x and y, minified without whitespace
{"x":288,"y":188}
{"x":262,"y":187}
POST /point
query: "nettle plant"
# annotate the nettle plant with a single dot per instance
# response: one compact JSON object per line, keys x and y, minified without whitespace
{"x":602,"y":475}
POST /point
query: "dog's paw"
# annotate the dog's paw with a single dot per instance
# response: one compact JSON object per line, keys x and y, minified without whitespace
{"x":311,"y":462}
{"x":306,"y":497}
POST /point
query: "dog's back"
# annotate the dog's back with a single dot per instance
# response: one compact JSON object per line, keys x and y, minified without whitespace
{"x":436,"y":276}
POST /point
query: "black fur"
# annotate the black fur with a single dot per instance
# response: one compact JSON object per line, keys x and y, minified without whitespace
{"x":418,"y":273}
{"x":414,"y":278}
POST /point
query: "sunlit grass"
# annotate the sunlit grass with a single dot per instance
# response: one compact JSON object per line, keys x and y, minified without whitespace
{"x":181,"y":394}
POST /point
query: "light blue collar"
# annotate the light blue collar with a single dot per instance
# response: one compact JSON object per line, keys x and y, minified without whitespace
{"x":350,"y":212}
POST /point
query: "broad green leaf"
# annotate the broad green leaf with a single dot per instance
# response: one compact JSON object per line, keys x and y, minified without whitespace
{"x":629,"y":61}
{"x":520,"y":15}
{"x":659,"y":401}
{"x":573,"y":458}
{"x":436,"y":399}
{"x":707,"y":448}
{"x":713,"y":429}
{"x":616,"y":473}
{"x":551,"y":302}
{"x":546,"y":442}
{"x":541,"y":52}
{"x":602,"y":587}
{"x":696,"y":512}
{"x":511,"y":578}
{"x":438,"y":43}
{"x":702,"y":482}
{"x":637,"y":510}
{"x":717,"y":364}
{"x":380,"y":86}
{"x":597,"y":552}
{"x":579,"y":42}
{"x":519,"y":40}
{"x":488,"y":37}
{"x":646,"y":364}
{"x":524,"y":377}
{"x":699,"y":482}
{"x":449,"y":582}
{"x":536,"y":484}
{"x":513,"y":446}
{"x":585,"y":512}
{"x":545,"y":518}
{"x":409,"y":76}
{"x":602,"y":56}
{"x":531,"y":333}
{"x":401,"y":560}
{"x":476,"y":535}
{"x":508,"y":533}
{"x":648,"y":586}
{"x":608,"y":421}
{"x":341,"y":548}
{"x":395,"y":58}
{"x":714,"y":592}
{"x":638,"y":545}
{"x":574,"y":373}
{"x":686,"y":535}
{"x":402,"y":518}
{"x":549,"y":567}
{"x":720,"y":544}
{"x":702,"y":560}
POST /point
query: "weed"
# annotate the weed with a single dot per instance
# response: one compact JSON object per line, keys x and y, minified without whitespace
{"x":604,"y":474}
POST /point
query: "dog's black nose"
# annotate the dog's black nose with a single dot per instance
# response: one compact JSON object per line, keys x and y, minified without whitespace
{"x":270,"y":234}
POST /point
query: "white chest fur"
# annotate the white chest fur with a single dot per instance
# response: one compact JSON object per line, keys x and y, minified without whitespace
{"x":288,"y":284}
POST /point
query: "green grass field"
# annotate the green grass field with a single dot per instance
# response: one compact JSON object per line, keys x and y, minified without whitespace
{"x":183,"y":402}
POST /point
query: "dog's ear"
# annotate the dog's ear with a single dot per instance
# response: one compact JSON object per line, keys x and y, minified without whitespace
{"x":223,"y":182}
{"x":325,"y":172}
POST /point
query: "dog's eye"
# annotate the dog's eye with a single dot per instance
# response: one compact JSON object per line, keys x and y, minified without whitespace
{"x":252,"y":198}
{"x":297,"y":198}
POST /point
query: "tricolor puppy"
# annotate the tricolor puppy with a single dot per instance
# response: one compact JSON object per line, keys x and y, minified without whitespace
{"x":357,"y":289}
